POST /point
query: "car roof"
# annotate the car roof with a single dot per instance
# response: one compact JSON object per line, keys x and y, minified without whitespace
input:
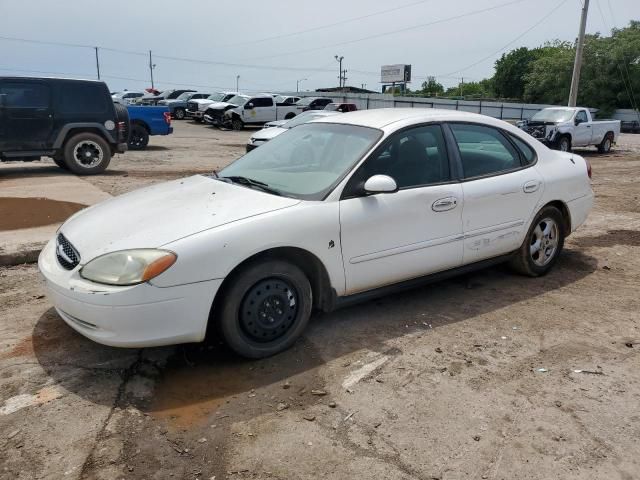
{"x":382,"y":117}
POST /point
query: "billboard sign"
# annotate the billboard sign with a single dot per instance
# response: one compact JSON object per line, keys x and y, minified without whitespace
{"x":399,"y":73}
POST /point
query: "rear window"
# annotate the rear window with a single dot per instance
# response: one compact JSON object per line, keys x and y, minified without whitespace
{"x":86,"y":98}
{"x":24,"y":95}
{"x":528,"y":153}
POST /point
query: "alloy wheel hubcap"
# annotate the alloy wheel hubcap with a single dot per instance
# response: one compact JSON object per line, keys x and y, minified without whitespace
{"x":544,"y":242}
{"x":88,"y":154}
{"x":268,"y":310}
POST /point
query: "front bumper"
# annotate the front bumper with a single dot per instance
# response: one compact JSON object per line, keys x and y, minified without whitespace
{"x":194,"y":114}
{"x":137,"y":316}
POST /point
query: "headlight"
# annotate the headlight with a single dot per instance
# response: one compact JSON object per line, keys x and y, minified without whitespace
{"x":128,"y":267}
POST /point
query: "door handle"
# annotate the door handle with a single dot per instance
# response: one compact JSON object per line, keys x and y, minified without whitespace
{"x":444,"y":204}
{"x":531,"y":186}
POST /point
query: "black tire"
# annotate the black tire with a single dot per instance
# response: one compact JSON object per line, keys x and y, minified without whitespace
{"x":605,"y":145}
{"x":179,"y":113}
{"x":564,"y":143}
{"x":139,"y":138}
{"x":60,"y":162}
{"x":87,"y":154}
{"x":525,"y":260}
{"x":257,"y":325}
{"x":237,"y":124}
{"x":289,"y":116}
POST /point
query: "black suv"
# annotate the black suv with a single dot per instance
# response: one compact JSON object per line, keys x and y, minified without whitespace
{"x":75,"y":122}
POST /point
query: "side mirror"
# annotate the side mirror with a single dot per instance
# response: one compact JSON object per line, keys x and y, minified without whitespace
{"x":248,"y":106}
{"x":380,"y":184}
{"x":577,"y":121}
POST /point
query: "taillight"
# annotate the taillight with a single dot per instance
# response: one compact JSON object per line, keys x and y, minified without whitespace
{"x":588,"y":167}
{"x":122,"y":126}
{"x":167,"y":117}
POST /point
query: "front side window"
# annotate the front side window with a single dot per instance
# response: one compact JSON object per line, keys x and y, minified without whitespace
{"x":262,"y":102}
{"x":306,"y":162}
{"x":484,"y":150}
{"x":24,"y":95}
{"x":413,"y":157}
{"x":581,"y":116}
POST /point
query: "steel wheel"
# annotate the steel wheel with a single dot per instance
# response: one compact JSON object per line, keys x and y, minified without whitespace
{"x":268,"y":310}
{"x":88,"y":154}
{"x":544,"y":242}
{"x":564,"y":145}
{"x":179,"y":114}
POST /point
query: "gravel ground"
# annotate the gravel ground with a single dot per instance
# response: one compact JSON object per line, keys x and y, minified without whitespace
{"x":490,"y":375}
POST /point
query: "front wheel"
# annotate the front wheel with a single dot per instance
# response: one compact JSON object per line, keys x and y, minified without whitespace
{"x":237,"y":124}
{"x":564,"y":144}
{"x":542,"y":245}
{"x":179,"y":114}
{"x":265,"y":308}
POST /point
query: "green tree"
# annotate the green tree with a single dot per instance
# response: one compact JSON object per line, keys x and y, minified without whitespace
{"x":511,"y":70}
{"x":549,"y":78}
{"x":431,"y":88}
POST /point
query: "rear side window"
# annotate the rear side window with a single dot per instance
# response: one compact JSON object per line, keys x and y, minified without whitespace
{"x":484,"y":150}
{"x":262,"y":102}
{"x":86,"y":98}
{"x":528,"y":154}
{"x":24,"y":95}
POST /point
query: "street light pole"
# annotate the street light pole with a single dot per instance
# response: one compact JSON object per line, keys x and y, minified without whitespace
{"x":298,"y":84}
{"x":237,"y":83}
{"x":577,"y":64}
{"x":339,"y":59}
{"x":151,"y":67}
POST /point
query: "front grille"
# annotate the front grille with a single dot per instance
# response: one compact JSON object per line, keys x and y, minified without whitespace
{"x":67,"y":255}
{"x":192,"y":106}
{"x":217,"y":116}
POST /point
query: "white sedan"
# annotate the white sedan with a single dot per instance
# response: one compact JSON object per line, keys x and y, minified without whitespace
{"x":332,"y":211}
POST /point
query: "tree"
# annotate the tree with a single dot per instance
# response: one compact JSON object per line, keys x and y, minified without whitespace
{"x":431,"y":88}
{"x":549,"y":77}
{"x":511,"y":70}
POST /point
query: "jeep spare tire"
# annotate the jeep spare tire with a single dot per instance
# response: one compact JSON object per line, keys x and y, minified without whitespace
{"x":87,"y":154}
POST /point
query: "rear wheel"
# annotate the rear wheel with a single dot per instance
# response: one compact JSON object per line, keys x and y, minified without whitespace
{"x":87,"y":154}
{"x":265,"y":308}
{"x":542,"y":245}
{"x":179,"y":113}
{"x":139,"y":138}
{"x":605,"y":145}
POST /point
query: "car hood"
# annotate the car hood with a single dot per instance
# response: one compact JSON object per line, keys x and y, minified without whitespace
{"x":222,"y":105}
{"x":268,"y":133}
{"x":160,"y":214}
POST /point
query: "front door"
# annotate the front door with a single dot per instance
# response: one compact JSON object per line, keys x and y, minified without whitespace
{"x":391,"y":237}
{"x":27,"y":117}
{"x":501,"y":190}
{"x":582,"y":131}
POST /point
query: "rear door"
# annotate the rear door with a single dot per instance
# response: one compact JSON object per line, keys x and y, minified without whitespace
{"x":501,"y":189}
{"x":27,"y":115}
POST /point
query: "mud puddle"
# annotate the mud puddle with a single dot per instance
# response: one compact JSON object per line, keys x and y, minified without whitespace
{"x":17,"y":213}
{"x":202,"y":384}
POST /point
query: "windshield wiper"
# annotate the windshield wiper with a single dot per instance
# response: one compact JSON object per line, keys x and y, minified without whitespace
{"x":250,"y":182}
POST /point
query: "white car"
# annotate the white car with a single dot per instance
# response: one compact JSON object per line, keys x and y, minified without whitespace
{"x":126,"y":98}
{"x":338,"y":209}
{"x":266,"y":134}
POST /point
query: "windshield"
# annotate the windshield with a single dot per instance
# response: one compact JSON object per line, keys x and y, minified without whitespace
{"x":308,"y":161}
{"x":216,"y":97}
{"x":185,"y":96}
{"x":238,"y":100}
{"x":305,"y":101}
{"x":553,"y":115}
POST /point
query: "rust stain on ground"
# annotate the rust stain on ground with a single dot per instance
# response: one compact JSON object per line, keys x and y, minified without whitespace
{"x":25,"y":347}
{"x":18,"y":212}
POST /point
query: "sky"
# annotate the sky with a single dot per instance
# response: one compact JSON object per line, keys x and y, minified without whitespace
{"x":275,"y":45}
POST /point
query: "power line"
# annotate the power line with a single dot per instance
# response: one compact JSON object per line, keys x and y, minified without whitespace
{"x":394,"y":32}
{"x":323,"y":27}
{"x":504,"y":47}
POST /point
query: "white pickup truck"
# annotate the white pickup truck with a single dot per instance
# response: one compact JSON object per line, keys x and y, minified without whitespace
{"x":565,"y":127}
{"x":244,"y":110}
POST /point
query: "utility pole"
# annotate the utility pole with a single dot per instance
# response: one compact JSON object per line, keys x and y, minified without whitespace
{"x":461,"y":85}
{"x":344,"y":78}
{"x":97,"y":63}
{"x":237,"y":83}
{"x":339,"y":59}
{"x":298,"y":84}
{"x":577,"y":64}
{"x":151,"y":67}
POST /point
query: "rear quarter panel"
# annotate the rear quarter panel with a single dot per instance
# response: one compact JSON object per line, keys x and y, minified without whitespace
{"x":153,"y":117}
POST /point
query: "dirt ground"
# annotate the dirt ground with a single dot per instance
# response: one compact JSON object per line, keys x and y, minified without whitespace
{"x":486,"y":376}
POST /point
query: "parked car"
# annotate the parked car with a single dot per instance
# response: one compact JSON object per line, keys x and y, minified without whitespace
{"x":565,"y":127}
{"x":312,"y":103}
{"x":75,"y":122}
{"x":266,"y":134}
{"x":287,"y":101}
{"x":630,"y":126}
{"x":197,"y":108}
{"x":165,"y":95}
{"x":125,"y":98}
{"x":341,"y":107}
{"x":147,"y":121}
{"x":245,"y":110}
{"x":178,"y":106}
{"x":334,"y":211}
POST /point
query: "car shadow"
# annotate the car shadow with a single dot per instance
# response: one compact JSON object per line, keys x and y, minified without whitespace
{"x":200,"y":379}
{"x":156,"y":148}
